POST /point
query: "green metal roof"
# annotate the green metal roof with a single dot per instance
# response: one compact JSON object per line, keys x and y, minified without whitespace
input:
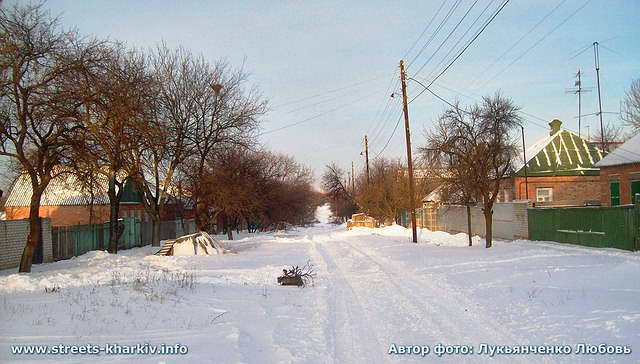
{"x":562,"y":154}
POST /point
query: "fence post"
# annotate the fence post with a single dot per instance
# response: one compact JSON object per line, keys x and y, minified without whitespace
{"x":636,"y":222}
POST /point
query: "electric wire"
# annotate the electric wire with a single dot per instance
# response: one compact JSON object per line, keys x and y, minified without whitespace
{"x":536,"y":43}
{"x":516,"y":43}
{"x":317,"y":115}
{"x":425,"y":28}
{"x":463,"y":50}
{"x":435,"y":33}
{"x":460,"y":38}
{"x":447,"y":37}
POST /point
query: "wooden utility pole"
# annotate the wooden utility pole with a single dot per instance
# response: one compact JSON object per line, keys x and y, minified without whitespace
{"x":412,"y":197}
{"x":353,"y":179}
{"x":366,"y":155}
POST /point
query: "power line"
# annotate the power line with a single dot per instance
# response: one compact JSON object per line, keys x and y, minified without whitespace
{"x":520,"y":112}
{"x":432,"y":37}
{"x":463,"y":50}
{"x":425,"y":29}
{"x":471,"y":42}
{"x":388,"y":116}
{"x":390,"y":137}
{"x":379,"y":118}
{"x":314,"y":104}
{"x":447,"y":37}
{"x":521,"y":39}
{"x":316,"y":116}
{"x":537,"y":43}
{"x":461,"y":38}
{"x":351,"y":85}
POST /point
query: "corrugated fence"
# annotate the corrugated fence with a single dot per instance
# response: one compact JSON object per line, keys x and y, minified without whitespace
{"x":601,"y":227}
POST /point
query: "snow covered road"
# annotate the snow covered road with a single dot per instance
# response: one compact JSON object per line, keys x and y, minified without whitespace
{"x":374,"y":289}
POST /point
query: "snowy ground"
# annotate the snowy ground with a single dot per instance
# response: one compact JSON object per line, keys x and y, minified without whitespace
{"x":374,"y":289}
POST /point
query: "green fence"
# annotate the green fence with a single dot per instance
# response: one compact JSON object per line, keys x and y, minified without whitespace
{"x":70,"y":241}
{"x":601,"y":227}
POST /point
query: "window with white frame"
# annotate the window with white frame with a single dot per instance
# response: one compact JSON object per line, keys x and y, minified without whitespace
{"x":544,"y":194}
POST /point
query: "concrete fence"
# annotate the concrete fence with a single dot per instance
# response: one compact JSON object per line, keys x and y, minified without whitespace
{"x":13,"y":237}
{"x":509,"y":219}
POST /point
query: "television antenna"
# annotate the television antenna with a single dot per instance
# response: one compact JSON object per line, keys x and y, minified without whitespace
{"x":578,"y":90}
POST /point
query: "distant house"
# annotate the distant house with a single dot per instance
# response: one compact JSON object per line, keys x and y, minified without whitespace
{"x":561,"y":170}
{"x":66,"y":203}
{"x":620,"y":174}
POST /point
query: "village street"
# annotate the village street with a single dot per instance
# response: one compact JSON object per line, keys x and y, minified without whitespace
{"x":373,"y":289}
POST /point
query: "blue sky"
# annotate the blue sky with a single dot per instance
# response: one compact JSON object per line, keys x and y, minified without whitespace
{"x":340,"y":57}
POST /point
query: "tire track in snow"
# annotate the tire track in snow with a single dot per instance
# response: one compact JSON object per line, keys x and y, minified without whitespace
{"x":401,"y":313}
{"x":352,"y":336}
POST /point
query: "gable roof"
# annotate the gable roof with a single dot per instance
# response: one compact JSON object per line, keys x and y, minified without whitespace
{"x":562,"y":154}
{"x":627,"y":153}
{"x":66,"y":190}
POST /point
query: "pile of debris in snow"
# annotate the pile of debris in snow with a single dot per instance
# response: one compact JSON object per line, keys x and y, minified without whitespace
{"x":199,"y":243}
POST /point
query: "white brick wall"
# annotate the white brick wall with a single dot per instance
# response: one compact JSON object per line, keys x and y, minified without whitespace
{"x":13,"y":237}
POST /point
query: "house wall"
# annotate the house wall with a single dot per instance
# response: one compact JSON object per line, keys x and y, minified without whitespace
{"x":624,"y":174}
{"x":13,"y":237}
{"x":63,"y":215}
{"x":74,"y":215}
{"x":566,"y":189}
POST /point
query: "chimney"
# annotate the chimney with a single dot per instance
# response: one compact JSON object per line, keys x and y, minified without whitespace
{"x":555,"y":126}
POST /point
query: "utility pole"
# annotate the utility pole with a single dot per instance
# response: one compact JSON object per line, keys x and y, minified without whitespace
{"x":412,"y":197}
{"x":579,"y":90}
{"x":526,"y":177}
{"x":353,"y":178}
{"x":596,"y":58}
{"x":366,"y":155}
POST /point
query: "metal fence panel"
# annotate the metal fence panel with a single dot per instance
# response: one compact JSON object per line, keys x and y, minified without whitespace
{"x":601,"y":227}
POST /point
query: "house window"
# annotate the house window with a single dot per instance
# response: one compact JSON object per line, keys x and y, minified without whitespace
{"x":615,"y":193}
{"x":544,"y":194}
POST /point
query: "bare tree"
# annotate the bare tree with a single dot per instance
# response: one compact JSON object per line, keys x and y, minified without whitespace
{"x":478,"y":149}
{"x":453,"y":186}
{"x":387,"y":192}
{"x":630,"y":107}
{"x":39,"y":112}
{"x":613,"y":136}
{"x":335,"y":184}
{"x":227,"y":114}
{"x":117,"y":94}
{"x":259,"y":188}
{"x":179,"y":87}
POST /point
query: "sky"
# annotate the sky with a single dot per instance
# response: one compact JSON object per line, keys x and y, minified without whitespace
{"x":328,"y":68}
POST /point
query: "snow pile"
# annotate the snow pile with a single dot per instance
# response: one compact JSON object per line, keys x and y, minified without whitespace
{"x":323,"y":214}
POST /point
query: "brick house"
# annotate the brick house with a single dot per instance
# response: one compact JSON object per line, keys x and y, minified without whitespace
{"x":620,"y":174}
{"x":560,"y":171}
{"x":66,"y":203}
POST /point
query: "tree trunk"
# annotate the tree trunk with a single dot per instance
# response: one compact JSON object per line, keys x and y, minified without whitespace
{"x":469,"y":224}
{"x":155,"y":231}
{"x":114,"y":204}
{"x":201,"y":221}
{"x":33,"y":239}
{"x":227,"y":228}
{"x":488,"y":214}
